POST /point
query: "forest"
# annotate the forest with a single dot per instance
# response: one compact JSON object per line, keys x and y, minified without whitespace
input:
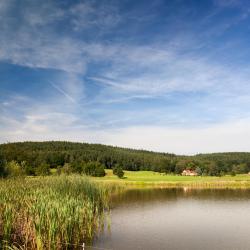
{"x":38,"y":158}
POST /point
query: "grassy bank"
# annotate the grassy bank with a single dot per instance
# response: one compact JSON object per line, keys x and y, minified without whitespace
{"x":149,"y":178}
{"x":51,"y":212}
{"x":62,"y":212}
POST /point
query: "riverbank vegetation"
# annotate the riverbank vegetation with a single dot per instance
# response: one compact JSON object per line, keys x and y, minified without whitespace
{"x":154,"y":179}
{"x":37,"y":158}
{"x":59,"y":212}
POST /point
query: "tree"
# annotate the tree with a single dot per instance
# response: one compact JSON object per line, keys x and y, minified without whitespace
{"x":120,"y":173}
{"x":240,"y":168}
{"x":66,"y":169}
{"x":14,"y":169}
{"x":29,"y":170}
{"x":180,"y":166}
{"x":99,"y":171}
{"x":213,"y":169}
{"x":117,"y":170}
{"x":94,"y":169}
{"x":2,"y":165}
{"x":43,"y":169}
{"x":55,"y":153}
{"x":164,"y":166}
{"x":198,"y":171}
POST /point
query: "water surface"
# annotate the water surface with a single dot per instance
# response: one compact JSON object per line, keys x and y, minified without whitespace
{"x":179,"y":219}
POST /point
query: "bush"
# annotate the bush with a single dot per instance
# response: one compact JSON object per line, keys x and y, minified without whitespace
{"x":120,"y":173}
{"x":13,"y":169}
{"x":94,"y":169}
{"x":117,"y":170}
{"x":89,"y":168}
{"x":77,"y":167}
{"x":99,"y":171}
{"x":198,"y":171}
{"x":66,"y":169}
{"x":29,"y":170}
{"x":240,"y":168}
{"x":43,"y":169}
{"x":232,"y":173}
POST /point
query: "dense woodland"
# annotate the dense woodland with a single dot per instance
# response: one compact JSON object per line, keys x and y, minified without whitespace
{"x":38,"y":158}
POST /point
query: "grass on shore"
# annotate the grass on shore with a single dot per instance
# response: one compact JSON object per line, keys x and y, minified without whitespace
{"x":154,"y":178}
{"x":51,"y":212}
{"x":60,"y":212}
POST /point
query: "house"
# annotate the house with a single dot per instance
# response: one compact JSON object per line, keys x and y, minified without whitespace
{"x":189,"y":172}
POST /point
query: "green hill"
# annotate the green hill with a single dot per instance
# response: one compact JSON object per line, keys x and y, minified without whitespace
{"x":58,"y":153}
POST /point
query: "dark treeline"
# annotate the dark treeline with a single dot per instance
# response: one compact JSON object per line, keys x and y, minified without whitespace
{"x":37,"y":158}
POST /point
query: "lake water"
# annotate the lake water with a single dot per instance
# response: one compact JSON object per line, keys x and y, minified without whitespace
{"x":178,"y":219}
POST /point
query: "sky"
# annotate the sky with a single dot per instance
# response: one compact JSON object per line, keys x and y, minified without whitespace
{"x":168,"y":76}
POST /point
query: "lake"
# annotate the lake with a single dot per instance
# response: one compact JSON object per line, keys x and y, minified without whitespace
{"x":178,"y":219}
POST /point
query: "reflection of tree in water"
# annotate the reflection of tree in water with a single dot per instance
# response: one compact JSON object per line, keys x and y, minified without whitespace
{"x":173,"y":194}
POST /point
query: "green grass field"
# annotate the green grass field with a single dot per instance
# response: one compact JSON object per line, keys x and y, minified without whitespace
{"x":154,"y":178}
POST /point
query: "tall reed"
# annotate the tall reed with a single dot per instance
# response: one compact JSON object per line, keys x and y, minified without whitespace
{"x":51,"y":212}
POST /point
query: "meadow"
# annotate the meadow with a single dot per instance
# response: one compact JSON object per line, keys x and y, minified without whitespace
{"x":150,"y":178}
{"x":59,"y":212}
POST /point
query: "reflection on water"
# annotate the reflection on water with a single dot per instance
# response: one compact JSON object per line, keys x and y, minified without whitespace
{"x":179,"y":219}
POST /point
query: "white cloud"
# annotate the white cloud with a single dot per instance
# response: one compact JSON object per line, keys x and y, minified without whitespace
{"x":123,"y":72}
{"x":90,"y":15}
{"x":70,"y":86}
{"x":44,"y":13}
{"x":148,"y":71}
{"x":139,"y":70}
{"x":70,"y":98}
{"x":231,"y":136}
{"x":51,"y":53}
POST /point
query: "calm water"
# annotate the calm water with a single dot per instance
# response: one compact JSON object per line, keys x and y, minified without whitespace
{"x":179,"y":219}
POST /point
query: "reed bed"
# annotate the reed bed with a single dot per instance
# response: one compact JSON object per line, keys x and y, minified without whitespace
{"x":51,"y":212}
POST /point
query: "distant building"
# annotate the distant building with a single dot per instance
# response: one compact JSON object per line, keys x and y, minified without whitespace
{"x":189,"y":172}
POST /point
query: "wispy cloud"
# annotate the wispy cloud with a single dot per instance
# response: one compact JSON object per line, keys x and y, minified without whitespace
{"x":105,"y":71}
{"x":93,"y":15}
{"x":70,"y":98}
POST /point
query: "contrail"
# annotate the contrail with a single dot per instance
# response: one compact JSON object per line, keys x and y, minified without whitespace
{"x":70,"y":98}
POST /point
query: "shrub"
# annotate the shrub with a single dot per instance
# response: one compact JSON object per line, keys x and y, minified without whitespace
{"x":99,"y":171}
{"x":94,"y":168}
{"x":43,"y":169}
{"x":117,"y":170}
{"x":77,"y":167}
{"x":66,"y":169}
{"x":120,"y":173}
{"x":14,"y":169}
{"x":29,"y":170}
{"x":198,"y":171}
{"x":232,"y":173}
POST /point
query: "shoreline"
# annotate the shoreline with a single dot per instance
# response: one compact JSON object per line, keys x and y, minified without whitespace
{"x":149,"y":179}
{"x":193,"y":185}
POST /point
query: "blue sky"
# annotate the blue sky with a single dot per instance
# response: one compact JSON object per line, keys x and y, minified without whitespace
{"x":160,"y":75}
